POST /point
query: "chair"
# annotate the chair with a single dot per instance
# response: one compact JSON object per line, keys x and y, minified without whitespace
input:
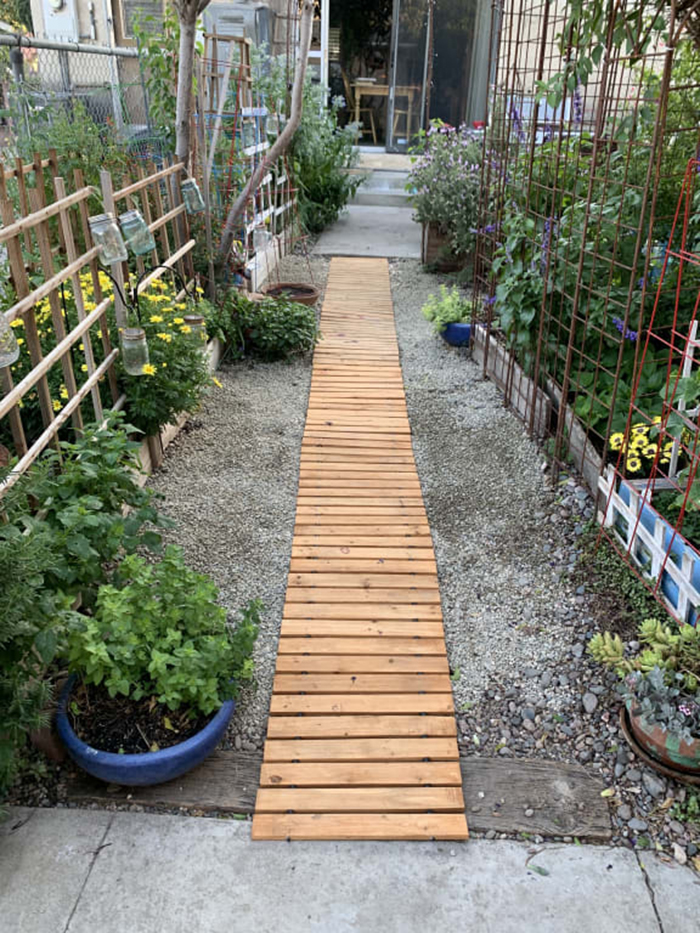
{"x":398,"y":113}
{"x":350,"y":101}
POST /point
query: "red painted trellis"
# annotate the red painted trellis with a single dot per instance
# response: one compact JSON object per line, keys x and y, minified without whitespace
{"x":652,"y":545}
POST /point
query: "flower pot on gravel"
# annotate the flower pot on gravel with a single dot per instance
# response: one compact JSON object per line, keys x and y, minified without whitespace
{"x":293,"y":291}
{"x":436,"y":250}
{"x":139,"y":770}
{"x":667,"y":747}
{"x":457,"y":335}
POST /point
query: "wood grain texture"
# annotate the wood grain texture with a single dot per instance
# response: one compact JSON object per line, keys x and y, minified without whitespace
{"x":362,"y":740}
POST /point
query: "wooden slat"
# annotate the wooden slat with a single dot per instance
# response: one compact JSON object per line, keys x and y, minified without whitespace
{"x":359,"y":800}
{"x":362,"y":740}
{"x":329,"y":727}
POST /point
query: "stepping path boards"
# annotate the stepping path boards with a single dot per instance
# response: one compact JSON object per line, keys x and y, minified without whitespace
{"x":362,"y":739}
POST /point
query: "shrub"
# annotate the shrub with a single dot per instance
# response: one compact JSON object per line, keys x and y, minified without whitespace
{"x":445,"y":183}
{"x":158,"y":631}
{"x":273,"y":329}
{"x":449,"y":308}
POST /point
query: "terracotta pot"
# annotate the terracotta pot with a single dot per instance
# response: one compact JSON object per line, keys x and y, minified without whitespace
{"x":294,"y":291}
{"x":667,"y":747}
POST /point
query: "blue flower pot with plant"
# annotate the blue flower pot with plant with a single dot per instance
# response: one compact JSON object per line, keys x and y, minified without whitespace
{"x":449,"y":313}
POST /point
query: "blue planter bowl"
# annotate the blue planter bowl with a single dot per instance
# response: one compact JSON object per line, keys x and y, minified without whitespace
{"x":457,"y":335}
{"x":150,"y":767}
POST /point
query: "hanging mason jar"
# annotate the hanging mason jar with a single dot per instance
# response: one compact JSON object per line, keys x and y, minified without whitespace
{"x":134,"y":350}
{"x":261,"y":238}
{"x":272,"y":124}
{"x":138,"y":237}
{"x":249,"y":135}
{"x":198,"y":330}
{"x":9,"y":348}
{"x":192,"y":196}
{"x":108,"y":239}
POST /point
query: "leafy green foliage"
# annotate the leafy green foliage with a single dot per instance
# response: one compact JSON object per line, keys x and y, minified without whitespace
{"x":445,"y":183}
{"x":689,"y":810}
{"x":159,"y":631}
{"x":158,"y":42}
{"x":449,"y":308}
{"x":273,"y":329}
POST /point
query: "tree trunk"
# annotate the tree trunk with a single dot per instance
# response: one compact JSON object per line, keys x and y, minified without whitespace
{"x":185,"y":73}
{"x":283,"y":140}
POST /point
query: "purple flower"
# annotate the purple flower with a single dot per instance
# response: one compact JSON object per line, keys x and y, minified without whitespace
{"x":627,"y":334}
{"x":550,"y":227}
{"x":686,"y":709}
{"x":517,"y":124}
{"x":491,"y":300}
{"x":578,"y":104}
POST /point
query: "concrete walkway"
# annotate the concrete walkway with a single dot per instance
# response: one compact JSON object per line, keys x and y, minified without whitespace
{"x":90,"y":871}
{"x":374,"y":230}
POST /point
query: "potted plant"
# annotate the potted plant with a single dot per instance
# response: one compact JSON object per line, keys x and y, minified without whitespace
{"x":661,"y":686}
{"x":154,"y":672}
{"x":449,"y":314}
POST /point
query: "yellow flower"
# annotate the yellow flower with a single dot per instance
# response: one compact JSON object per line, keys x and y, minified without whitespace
{"x":18,"y":322}
{"x":656,"y":419}
{"x":156,"y":319}
{"x":616,"y":440}
{"x":148,"y":369}
{"x":20,"y":341}
{"x":640,"y":429}
{"x":200,"y":291}
{"x":181,"y":305}
{"x":216,"y":382}
{"x":633,"y":464}
{"x":163,"y":365}
{"x":650,"y":451}
{"x":157,"y":298}
{"x":56,"y":405}
{"x":166,"y":337}
{"x":178,"y":320}
{"x":81,"y":346}
{"x":63,"y":392}
{"x":185,"y":329}
{"x":84,"y":367}
{"x":89,"y":305}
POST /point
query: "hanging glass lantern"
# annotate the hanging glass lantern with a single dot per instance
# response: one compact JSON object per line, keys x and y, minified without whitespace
{"x":192,"y":196}
{"x":198,"y":330}
{"x":261,"y":238}
{"x":134,"y":350}
{"x":9,"y":348}
{"x":106,"y":236}
{"x":138,"y":237}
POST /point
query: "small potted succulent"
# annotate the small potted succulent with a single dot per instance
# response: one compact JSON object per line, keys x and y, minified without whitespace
{"x":450,"y":314}
{"x":660,"y":677}
{"x":154,"y":671}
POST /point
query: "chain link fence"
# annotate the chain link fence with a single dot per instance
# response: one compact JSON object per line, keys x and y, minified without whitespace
{"x":44,"y":82}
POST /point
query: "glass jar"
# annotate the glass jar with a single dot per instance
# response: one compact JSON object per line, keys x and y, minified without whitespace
{"x":272,"y":124}
{"x":9,"y":348}
{"x":138,"y":237}
{"x":134,"y":350}
{"x":249,"y":135}
{"x":261,"y":237}
{"x":198,"y":330}
{"x":108,"y":239}
{"x":192,"y":196}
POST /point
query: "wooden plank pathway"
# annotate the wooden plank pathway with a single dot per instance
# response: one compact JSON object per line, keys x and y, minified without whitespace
{"x":362,"y":739}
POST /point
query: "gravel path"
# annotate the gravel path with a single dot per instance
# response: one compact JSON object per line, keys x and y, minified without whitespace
{"x":230,"y":483}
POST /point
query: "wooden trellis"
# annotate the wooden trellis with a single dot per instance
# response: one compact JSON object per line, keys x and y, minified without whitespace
{"x":59,"y":233}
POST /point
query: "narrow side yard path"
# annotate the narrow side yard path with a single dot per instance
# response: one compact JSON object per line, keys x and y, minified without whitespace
{"x":361,"y":739}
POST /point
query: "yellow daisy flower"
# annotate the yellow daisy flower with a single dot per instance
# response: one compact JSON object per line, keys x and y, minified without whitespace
{"x":178,"y":320}
{"x":56,"y":405}
{"x":84,"y":367}
{"x":156,"y":319}
{"x":616,"y":440}
{"x":640,"y":429}
{"x":63,"y":392}
{"x":650,"y":451}
{"x":185,"y":329}
{"x":166,"y":337}
{"x":148,"y":369}
{"x":20,"y":341}
{"x":18,"y":322}
{"x":633,"y":464}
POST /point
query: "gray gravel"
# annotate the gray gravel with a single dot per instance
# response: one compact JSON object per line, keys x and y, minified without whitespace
{"x":486,"y":499}
{"x":230,"y":483}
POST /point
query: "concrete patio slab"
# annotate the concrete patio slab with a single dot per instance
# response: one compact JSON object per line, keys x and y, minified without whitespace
{"x":676,"y":894}
{"x":45,"y":857}
{"x":372,"y":230}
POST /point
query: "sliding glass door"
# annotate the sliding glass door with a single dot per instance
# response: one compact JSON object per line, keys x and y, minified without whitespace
{"x":409,"y":72}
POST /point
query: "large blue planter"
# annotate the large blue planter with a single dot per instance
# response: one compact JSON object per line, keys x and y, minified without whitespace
{"x":150,"y":767}
{"x":457,"y":335}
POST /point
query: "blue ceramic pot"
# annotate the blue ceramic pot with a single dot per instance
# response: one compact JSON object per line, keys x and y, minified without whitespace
{"x":457,"y":335}
{"x":150,"y":767}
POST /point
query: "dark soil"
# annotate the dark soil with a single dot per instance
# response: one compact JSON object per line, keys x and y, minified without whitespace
{"x":125,"y":726}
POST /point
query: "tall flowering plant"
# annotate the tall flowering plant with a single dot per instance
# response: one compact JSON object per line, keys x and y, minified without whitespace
{"x":445,"y":181}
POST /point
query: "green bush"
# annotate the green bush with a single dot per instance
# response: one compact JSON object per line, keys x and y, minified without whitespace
{"x":158,"y":631}
{"x":449,"y":308}
{"x":272,"y":329}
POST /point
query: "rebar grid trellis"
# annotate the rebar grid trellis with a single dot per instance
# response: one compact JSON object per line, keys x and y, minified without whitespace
{"x":649,"y":520}
{"x":581,"y":172}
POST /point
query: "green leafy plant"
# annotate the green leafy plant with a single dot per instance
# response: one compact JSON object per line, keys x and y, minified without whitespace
{"x":32,"y":620}
{"x":158,"y":631}
{"x":450,"y":307}
{"x":273,"y":329}
{"x":158,"y":41}
{"x":445,"y":183}
{"x":689,"y":810}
